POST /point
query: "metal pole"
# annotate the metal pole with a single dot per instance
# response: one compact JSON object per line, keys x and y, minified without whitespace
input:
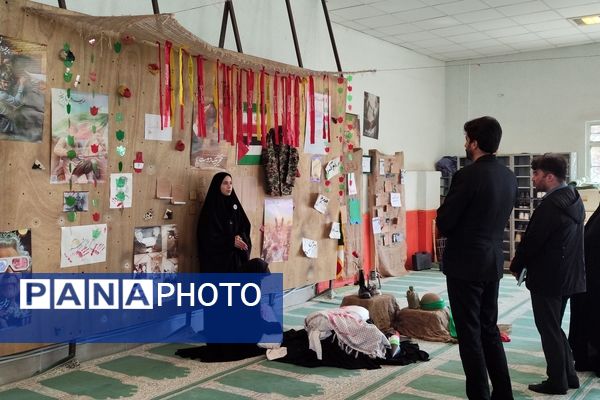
{"x":224,"y":24}
{"x":61,"y":4}
{"x":335,"y":52}
{"x":293,"y":26}
{"x":236,"y":32}
{"x":155,"y":7}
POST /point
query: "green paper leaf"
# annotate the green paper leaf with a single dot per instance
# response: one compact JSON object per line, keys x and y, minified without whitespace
{"x":71,"y":154}
{"x":121,"y":150}
{"x":66,"y":46}
{"x":71,"y":216}
{"x":342,"y":186}
{"x":120,"y":196}
{"x":95,"y":202}
{"x":117,"y":47}
{"x":119,"y":117}
{"x":69,"y":108}
{"x":340,"y":90}
{"x":121,"y":181}
{"x":68,"y":93}
{"x":93,"y":128}
{"x":120,"y":166}
{"x":68,"y":63}
{"x":67,"y":76}
{"x":349,"y":97}
{"x":349,"y":78}
{"x":71,"y":140}
{"x":349,"y":155}
{"x":96,"y":233}
{"x":120,"y":135}
{"x":70,"y":201}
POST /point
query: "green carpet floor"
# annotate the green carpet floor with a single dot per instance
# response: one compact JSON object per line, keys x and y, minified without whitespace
{"x":153,"y":372}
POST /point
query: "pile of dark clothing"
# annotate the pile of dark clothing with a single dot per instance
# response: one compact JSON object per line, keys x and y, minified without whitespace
{"x":447,"y":165}
{"x":299,"y":353}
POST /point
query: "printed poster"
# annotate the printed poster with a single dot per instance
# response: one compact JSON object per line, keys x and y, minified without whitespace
{"x":81,"y":245}
{"x":208,"y":152}
{"x":15,"y":262}
{"x":22,"y":88}
{"x":279,"y":215}
{"x":79,"y":138}
{"x":155,"y":249}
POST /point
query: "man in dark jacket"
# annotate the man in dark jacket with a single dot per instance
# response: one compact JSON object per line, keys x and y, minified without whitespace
{"x":552,"y":252}
{"x":473,"y":217}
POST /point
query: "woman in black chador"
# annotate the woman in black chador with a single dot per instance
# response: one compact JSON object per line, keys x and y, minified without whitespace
{"x":224,"y":247}
{"x":584,"y":331}
{"x":224,"y":243}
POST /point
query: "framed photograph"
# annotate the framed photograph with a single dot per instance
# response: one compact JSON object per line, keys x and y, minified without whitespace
{"x":371,"y":116}
{"x":366,"y":164}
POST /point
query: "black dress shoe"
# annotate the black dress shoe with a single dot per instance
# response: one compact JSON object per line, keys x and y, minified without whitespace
{"x":546,"y":388}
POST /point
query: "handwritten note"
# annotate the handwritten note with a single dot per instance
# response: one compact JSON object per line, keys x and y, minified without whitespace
{"x":395,"y":199}
{"x":315,"y":169}
{"x":321,"y":204}
{"x":332,"y":168}
{"x":376,"y":223}
{"x":335,"y":231}
{"x":310,"y":247}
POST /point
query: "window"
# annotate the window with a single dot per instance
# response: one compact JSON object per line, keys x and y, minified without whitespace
{"x":593,"y":150}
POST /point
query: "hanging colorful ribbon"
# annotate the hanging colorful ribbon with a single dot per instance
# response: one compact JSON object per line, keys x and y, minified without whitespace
{"x":160,"y":93}
{"x":201,"y":130}
{"x":263,"y":122}
{"x":180,"y":92}
{"x":225,"y":102}
{"x":311,"y":105}
{"x":167,"y":109}
{"x":288,"y":110}
{"x":249,"y":100}
{"x":190,"y":77}
{"x":172,"y":78}
{"x":296,"y":110}
{"x":276,"y":108}
{"x":239,"y":111}
{"x":216,"y":100}
{"x":268,"y":106}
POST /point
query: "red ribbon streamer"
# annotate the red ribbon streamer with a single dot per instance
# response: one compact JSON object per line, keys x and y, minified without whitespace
{"x":276,"y":107}
{"x":263,"y":122}
{"x":296,"y":111}
{"x":167,"y":108}
{"x":239,"y":112}
{"x":160,"y":95}
{"x":201,"y":130}
{"x":249,"y":99}
{"x":311,"y":103}
{"x":288,"y":110}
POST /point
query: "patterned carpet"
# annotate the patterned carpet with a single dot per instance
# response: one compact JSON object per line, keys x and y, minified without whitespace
{"x":153,"y":372}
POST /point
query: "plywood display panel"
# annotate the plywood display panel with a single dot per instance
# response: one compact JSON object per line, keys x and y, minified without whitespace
{"x":29,"y":200}
{"x":390,"y":244}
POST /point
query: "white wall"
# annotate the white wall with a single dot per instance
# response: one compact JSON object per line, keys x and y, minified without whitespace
{"x":412,"y":107}
{"x":542,"y":99}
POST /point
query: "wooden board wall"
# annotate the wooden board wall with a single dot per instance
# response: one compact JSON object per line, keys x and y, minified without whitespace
{"x":28,"y":200}
{"x":389,"y":256}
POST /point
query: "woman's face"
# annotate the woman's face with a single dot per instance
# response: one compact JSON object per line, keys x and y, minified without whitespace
{"x":227,"y":186}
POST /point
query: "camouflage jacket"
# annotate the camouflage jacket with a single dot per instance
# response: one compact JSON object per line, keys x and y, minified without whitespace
{"x":281,"y":166}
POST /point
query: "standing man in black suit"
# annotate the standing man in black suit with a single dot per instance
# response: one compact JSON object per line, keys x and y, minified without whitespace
{"x":552,"y":252}
{"x":473,"y":217}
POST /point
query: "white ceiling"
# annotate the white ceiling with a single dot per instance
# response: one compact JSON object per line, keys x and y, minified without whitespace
{"x":451,"y":30}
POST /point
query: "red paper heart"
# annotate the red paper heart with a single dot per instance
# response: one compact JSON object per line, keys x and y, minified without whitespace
{"x":341,"y":80}
{"x":350,"y":146}
{"x":341,"y":192}
{"x":349,"y":88}
{"x":341,"y":179}
{"x":340,"y":119}
{"x":93,"y":76}
{"x":96,"y":217}
{"x":94,"y":110}
{"x":94,"y":148}
{"x":180,"y":146}
{"x":350,"y":107}
{"x":326,"y":149}
{"x":327,"y":183}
